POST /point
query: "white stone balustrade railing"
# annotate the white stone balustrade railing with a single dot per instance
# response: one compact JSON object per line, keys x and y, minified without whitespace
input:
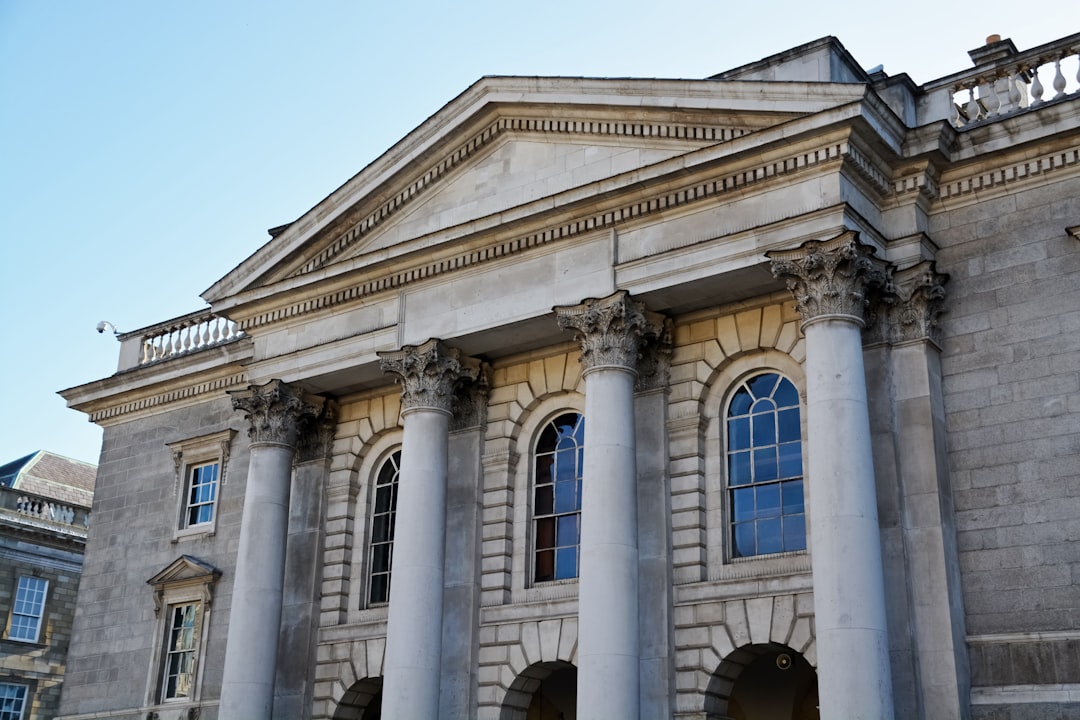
{"x":1011,"y":81}
{"x":41,"y":508}
{"x":175,"y":338}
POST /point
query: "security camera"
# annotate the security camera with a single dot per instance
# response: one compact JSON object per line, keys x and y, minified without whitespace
{"x":101,"y":326}
{"x":106,"y":325}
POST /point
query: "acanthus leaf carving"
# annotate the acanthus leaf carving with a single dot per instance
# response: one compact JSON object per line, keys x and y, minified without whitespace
{"x":275,"y":411}
{"x":612,"y":330}
{"x":429,"y":373}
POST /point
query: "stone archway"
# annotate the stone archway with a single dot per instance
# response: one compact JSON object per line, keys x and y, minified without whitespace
{"x":767,"y":681}
{"x":543,"y":691}
{"x":362,"y":701}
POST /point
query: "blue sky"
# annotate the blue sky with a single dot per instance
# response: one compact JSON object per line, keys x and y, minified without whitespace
{"x":145,"y":147}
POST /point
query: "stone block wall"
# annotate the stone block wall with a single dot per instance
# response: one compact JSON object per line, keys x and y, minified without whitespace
{"x":1011,"y":376}
{"x":111,"y":663}
{"x":39,"y":665}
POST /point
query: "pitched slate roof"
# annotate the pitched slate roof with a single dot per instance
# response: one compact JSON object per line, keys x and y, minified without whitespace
{"x":52,"y":476}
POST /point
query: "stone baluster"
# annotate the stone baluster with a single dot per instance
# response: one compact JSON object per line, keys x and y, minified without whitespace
{"x":276,"y":412}
{"x":611,"y":332}
{"x":430,"y":375}
{"x":830,"y":281}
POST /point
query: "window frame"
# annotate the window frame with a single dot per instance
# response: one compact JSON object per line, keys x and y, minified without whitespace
{"x":25,"y":700}
{"x":726,"y":452}
{"x":186,"y":581}
{"x":190,"y":456}
{"x":393,"y":455}
{"x":39,"y":619}
{"x":535,"y":517}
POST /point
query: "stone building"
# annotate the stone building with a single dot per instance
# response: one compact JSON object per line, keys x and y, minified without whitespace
{"x":44,"y":512}
{"x":751,"y":397}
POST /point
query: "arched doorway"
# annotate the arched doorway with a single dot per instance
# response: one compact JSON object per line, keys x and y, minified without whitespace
{"x":763,"y":682}
{"x":544,"y":691}
{"x":362,"y":701}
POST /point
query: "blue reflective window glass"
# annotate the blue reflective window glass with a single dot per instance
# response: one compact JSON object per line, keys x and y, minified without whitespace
{"x":566,"y":565}
{"x":770,"y":539}
{"x":788,"y":421}
{"x":768,"y":500}
{"x":557,"y":498}
{"x":566,"y":533}
{"x":739,"y":433}
{"x":765,"y":468}
{"x":739,"y":468}
{"x":764,"y":428}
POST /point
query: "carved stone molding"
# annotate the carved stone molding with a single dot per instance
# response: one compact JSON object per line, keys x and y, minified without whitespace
{"x":611,"y":330}
{"x":654,"y":363}
{"x":830,"y":278}
{"x":471,"y":401}
{"x":920,"y":302}
{"x":276,"y":411}
{"x":315,"y":440}
{"x":430,"y":374}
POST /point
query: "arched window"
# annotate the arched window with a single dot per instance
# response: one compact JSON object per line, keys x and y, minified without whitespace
{"x":557,"y":498}
{"x":383,"y":515}
{"x":764,"y":467}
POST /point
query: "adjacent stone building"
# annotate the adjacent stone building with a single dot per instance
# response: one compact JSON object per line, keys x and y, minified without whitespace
{"x":44,"y":512}
{"x":749,"y":397}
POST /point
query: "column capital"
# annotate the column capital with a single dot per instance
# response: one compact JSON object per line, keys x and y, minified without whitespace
{"x":829,"y":278}
{"x":316,"y":437}
{"x":276,"y":411}
{"x":611,"y":330}
{"x":429,"y":373}
{"x":921,"y":302}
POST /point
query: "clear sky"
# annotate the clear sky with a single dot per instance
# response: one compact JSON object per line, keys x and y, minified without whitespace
{"x":145,"y":147}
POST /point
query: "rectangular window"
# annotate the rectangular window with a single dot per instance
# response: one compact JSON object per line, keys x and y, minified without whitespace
{"x":12,"y":701}
{"x":201,"y":494}
{"x":180,"y":645}
{"x":28,"y":609}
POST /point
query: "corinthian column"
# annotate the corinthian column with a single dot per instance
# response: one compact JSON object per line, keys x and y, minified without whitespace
{"x":830,"y":281}
{"x":430,"y":375}
{"x":611,"y":332}
{"x":277,"y":413}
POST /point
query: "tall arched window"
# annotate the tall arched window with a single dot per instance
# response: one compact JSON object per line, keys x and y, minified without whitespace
{"x":383,"y":514}
{"x":764,"y":467}
{"x":557,"y":498}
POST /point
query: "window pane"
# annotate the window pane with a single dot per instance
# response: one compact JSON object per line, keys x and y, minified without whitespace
{"x":566,"y":496}
{"x":548,"y":440}
{"x":792,"y":494}
{"x":762,"y":385}
{"x":28,"y":608}
{"x":765,"y":465}
{"x":545,"y":500}
{"x":380,"y":558}
{"x":769,"y":537}
{"x":545,"y":533}
{"x":543,"y":469}
{"x":739,"y":468}
{"x":791,"y":460}
{"x":545,"y":565}
{"x":768,"y":501}
{"x":764,"y":429}
{"x":382,"y":499}
{"x":566,"y":563}
{"x":565,"y":466}
{"x":795,"y":533}
{"x":743,"y":502}
{"x":739,"y":433}
{"x":740,"y":404}
{"x":786,"y":395}
{"x":380,"y":589}
{"x":12,"y":701}
{"x":567,"y":531}
{"x":744,"y":539}
{"x":788,"y":421}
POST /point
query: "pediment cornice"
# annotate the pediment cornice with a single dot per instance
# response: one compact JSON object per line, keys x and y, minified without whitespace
{"x":695,"y":113}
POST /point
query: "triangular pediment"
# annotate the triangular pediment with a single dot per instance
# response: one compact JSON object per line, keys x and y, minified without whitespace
{"x":185,"y":569}
{"x":512,"y":146}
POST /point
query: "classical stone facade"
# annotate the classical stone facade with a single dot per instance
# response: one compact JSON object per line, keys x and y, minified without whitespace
{"x":749,"y":397}
{"x":44,"y":514}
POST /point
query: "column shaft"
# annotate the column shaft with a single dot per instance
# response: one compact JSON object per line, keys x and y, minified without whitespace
{"x":849,"y":598}
{"x":414,"y":629}
{"x":247,"y":686}
{"x":608,"y":677}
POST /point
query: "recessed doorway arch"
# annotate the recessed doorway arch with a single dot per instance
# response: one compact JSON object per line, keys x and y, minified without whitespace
{"x":767,"y":681}
{"x":543,"y":691}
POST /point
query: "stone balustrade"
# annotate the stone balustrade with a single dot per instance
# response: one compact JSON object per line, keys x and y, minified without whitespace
{"x":175,"y":338}
{"x":42,"y":508}
{"x":1005,"y":81}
